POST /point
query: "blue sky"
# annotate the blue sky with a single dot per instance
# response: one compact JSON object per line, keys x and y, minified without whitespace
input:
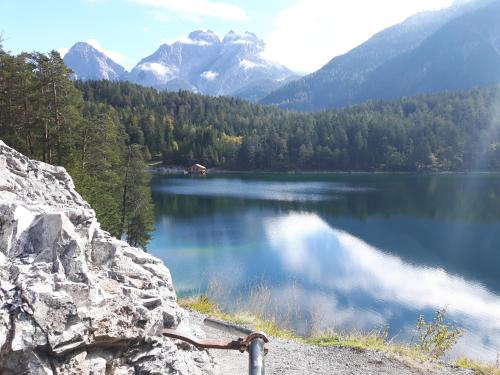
{"x":302,"y":34}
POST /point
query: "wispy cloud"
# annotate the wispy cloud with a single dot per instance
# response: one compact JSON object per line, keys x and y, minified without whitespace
{"x":160,"y":16}
{"x":309,"y":33}
{"x":193,"y":8}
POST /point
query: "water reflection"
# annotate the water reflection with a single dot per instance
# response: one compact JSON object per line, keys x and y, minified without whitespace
{"x":352,"y":251}
{"x":346,"y":266}
{"x":263,"y":190}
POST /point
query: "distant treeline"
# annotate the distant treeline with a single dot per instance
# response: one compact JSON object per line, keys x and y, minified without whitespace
{"x":450,"y":131}
{"x":44,"y":116}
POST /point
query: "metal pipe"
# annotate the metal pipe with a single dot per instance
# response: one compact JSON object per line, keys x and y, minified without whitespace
{"x":227,"y":327}
{"x":256,"y":357}
{"x":256,"y":345}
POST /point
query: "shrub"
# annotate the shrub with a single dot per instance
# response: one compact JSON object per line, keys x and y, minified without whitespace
{"x":438,"y":336}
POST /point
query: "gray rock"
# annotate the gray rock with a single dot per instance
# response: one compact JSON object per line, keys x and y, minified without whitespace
{"x":73,"y":299}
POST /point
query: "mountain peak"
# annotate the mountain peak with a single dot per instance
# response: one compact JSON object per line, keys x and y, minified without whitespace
{"x":81,"y":45}
{"x":204,"y":36}
{"x":85,"y":48}
{"x":201,"y":63}
{"x":237,"y":38}
{"x":88,"y":63}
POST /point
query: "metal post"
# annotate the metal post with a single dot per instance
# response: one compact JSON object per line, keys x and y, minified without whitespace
{"x":256,"y":357}
{"x":254,"y":343}
{"x":256,"y":346}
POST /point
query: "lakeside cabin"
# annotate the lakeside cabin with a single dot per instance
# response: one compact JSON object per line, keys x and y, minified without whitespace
{"x":198,"y":170}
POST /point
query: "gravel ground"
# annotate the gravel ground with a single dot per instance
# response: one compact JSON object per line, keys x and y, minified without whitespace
{"x":290,"y":357}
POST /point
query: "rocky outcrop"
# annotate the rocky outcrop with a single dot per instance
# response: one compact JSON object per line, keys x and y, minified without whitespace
{"x":73,"y":299}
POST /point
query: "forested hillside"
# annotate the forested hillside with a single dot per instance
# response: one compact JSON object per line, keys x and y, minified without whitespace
{"x":455,"y":48}
{"x":43,"y":116}
{"x":452,"y":131}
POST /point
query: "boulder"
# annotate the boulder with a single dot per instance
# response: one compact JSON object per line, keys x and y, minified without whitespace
{"x":73,"y":299}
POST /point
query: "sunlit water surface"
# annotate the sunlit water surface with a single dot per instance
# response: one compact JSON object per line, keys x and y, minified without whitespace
{"x":346,"y":251}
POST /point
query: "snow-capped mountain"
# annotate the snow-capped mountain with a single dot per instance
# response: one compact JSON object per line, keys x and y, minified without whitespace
{"x":204,"y":63}
{"x":88,"y":63}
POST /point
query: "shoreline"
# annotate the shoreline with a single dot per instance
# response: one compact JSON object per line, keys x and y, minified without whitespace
{"x":417,"y":354}
{"x":179,"y":170}
{"x":293,"y":356}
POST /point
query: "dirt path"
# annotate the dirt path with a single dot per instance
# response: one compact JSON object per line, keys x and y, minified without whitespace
{"x":290,"y":357}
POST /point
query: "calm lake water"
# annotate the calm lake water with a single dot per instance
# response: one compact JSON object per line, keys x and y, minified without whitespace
{"x":348,"y":251}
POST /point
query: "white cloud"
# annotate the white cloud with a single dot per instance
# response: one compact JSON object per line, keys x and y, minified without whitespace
{"x":191,"y":18}
{"x":303,"y":240}
{"x":113,"y":55}
{"x":209,"y":75}
{"x":190,"y":8}
{"x":298,"y":238}
{"x":311,"y":32}
{"x":247,"y":64}
{"x":161,"y":17}
{"x":62,"y":51}
{"x":158,"y":69}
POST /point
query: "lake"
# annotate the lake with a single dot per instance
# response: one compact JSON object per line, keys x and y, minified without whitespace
{"x":350,"y":251}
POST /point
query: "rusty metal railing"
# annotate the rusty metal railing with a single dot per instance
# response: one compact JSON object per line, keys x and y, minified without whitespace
{"x":254,"y":343}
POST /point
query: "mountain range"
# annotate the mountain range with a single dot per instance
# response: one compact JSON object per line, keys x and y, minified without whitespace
{"x":455,"y":48}
{"x":450,"y":49}
{"x":201,"y":63}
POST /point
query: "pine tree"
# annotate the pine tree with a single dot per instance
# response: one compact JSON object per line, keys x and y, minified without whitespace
{"x":59,"y":106}
{"x":137,"y":207}
{"x":97,"y":161}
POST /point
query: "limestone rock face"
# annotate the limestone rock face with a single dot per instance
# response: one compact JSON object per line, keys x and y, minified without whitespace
{"x":73,"y":299}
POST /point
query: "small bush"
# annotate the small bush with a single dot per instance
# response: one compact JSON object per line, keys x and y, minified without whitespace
{"x":436,"y":337}
{"x":202,"y":304}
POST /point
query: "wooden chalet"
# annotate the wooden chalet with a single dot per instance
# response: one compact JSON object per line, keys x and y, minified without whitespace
{"x":198,"y":170}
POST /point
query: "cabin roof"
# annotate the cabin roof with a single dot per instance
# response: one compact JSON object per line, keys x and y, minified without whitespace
{"x":199,"y":166}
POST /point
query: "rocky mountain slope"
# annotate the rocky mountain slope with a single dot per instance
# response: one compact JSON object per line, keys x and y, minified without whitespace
{"x":463,"y":54}
{"x":74,"y":300}
{"x":200,"y":63}
{"x":402,"y":60}
{"x":203,"y":63}
{"x":88,"y":63}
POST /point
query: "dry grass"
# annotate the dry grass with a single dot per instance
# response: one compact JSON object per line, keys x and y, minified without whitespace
{"x":478,"y":367}
{"x":375,"y":340}
{"x":204,"y":305}
{"x":277,"y":326}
